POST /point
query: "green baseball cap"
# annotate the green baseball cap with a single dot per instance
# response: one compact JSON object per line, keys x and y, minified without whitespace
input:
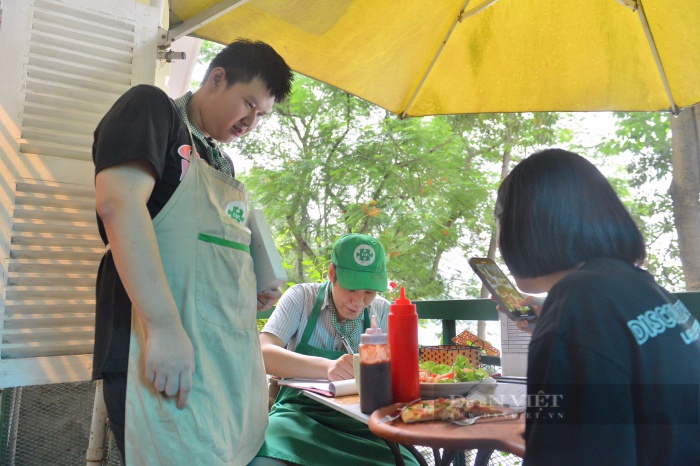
{"x":360,"y":263}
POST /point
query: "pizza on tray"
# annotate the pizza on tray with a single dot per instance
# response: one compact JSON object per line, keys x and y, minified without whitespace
{"x":444,"y":409}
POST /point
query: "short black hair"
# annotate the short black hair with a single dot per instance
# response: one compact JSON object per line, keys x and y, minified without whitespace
{"x":244,"y":60}
{"x":556,"y":210}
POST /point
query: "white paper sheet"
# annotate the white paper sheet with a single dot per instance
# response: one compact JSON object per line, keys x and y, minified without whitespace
{"x":501,"y":394}
{"x":514,"y":348}
{"x":337,"y":388}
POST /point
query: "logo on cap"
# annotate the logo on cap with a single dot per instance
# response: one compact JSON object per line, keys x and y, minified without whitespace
{"x":364,"y":255}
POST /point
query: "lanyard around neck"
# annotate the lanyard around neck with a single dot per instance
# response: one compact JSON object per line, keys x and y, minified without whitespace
{"x":214,"y":155}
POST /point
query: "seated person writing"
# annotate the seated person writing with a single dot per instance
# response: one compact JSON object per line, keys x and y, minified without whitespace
{"x":303,"y":338}
{"x":613,"y":374}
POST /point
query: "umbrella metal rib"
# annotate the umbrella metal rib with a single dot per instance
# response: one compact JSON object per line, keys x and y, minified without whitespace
{"x":432,"y":63}
{"x":205,"y":17}
{"x":463,"y":13}
{"x":657,"y":58}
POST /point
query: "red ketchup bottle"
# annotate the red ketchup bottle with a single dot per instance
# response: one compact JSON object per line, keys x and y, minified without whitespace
{"x":403,"y":343}
{"x":375,"y":372}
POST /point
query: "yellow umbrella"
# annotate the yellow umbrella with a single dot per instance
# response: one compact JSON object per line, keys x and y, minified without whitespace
{"x":417,"y":57}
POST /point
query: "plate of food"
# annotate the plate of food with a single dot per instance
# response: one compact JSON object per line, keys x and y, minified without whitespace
{"x":441,"y":380}
{"x":443,"y":409}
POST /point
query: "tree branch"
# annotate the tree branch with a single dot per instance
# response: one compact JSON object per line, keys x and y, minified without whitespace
{"x":296,"y":231}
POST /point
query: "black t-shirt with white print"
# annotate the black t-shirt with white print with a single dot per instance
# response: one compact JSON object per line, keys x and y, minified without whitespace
{"x":613,"y":372}
{"x":142,"y":125}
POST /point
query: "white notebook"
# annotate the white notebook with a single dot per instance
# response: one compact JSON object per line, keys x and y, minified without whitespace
{"x":267,"y":263}
{"x":322,"y":386}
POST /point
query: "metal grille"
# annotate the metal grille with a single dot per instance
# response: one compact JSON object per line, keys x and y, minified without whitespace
{"x":467,"y":458}
{"x":112,"y":455}
{"x":48,"y":424}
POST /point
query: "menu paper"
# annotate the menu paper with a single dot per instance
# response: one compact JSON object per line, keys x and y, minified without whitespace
{"x":267,"y":263}
{"x":514,"y":347}
{"x":507,"y":392}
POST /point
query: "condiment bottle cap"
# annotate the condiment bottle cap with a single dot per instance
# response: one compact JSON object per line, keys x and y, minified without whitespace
{"x":402,"y":305}
{"x":374,"y":335}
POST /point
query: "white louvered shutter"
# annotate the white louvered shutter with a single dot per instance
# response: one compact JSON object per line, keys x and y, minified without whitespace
{"x":70,"y":60}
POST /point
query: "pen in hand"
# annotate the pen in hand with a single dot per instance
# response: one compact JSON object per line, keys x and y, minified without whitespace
{"x":346,"y":344}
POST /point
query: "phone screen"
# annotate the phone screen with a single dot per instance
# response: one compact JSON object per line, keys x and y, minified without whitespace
{"x":500,"y":287}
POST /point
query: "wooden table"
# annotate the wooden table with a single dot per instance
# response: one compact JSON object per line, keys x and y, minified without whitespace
{"x":486,"y":435}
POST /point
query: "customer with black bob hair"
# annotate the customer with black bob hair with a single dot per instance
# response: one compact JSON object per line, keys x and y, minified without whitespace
{"x":556,"y":210}
{"x":613,"y":374}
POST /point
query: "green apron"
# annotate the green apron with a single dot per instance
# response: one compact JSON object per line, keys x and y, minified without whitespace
{"x":306,"y":432}
{"x":203,"y":242}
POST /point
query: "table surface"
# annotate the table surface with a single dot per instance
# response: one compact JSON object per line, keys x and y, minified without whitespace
{"x":348,"y":405}
{"x":498,"y":434}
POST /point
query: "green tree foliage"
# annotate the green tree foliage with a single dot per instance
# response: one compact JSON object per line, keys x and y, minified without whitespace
{"x":327,"y":163}
{"x":646,"y":138}
{"x":207,"y":52}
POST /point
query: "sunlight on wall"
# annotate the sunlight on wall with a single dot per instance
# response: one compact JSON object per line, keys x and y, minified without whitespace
{"x":8,"y":135}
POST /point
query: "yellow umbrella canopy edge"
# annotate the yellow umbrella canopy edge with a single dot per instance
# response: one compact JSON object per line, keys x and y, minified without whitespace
{"x":524,"y":55}
{"x":557,"y":56}
{"x":674,"y":26}
{"x":373,"y":50}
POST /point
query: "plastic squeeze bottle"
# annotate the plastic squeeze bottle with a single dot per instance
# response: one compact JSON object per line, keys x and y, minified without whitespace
{"x":403,"y":341}
{"x":375,"y":372}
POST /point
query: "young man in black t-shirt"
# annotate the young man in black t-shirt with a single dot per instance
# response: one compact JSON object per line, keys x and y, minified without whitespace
{"x":141,"y":152}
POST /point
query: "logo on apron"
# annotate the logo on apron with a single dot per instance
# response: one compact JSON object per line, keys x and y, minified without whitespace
{"x":364,"y":255}
{"x":236,"y":210}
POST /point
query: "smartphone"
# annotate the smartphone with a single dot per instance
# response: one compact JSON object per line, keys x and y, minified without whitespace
{"x":501,"y":288}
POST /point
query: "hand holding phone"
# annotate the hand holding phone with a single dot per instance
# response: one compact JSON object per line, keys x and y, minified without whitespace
{"x":503,"y":291}
{"x":535,"y":303}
